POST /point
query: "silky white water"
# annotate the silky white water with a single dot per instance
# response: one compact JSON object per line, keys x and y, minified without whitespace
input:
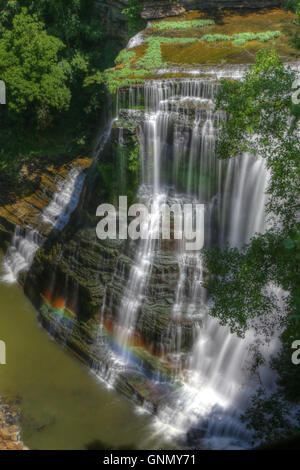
{"x":64,"y":201}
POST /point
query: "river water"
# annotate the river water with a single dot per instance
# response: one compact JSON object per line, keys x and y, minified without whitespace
{"x":63,"y":405}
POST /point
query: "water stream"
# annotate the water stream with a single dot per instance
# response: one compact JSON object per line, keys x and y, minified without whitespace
{"x":178,"y":135}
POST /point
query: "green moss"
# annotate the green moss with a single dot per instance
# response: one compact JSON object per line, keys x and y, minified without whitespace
{"x":153,"y":56}
{"x":182,"y":24}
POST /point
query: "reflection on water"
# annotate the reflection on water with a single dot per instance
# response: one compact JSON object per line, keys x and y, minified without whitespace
{"x":63,"y":406}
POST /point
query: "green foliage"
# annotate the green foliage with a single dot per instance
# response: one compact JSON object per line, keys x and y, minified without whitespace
{"x":124,"y":57}
{"x":182,"y":24}
{"x":239,"y":39}
{"x":240,"y":279}
{"x":133,"y":15}
{"x":134,"y":160}
{"x":270,"y":418}
{"x":70,"y":20}
{"x":93,"y":86}
{"x":52,"y":59}
{"x":123,"y":75}
{"x":261,"y":105}
{"x":293,"y":5}
{"x":29,"y":65}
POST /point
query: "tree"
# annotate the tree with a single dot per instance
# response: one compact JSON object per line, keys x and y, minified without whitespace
{"x":261,"y":118}
{"x":30,"y":67}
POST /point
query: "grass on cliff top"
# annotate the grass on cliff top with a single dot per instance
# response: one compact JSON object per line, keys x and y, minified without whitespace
{"x":233,"y":38}
{"x":132,"y":70}
{"x":153,"y":58}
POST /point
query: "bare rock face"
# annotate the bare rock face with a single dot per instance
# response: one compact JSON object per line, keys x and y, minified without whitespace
{"x":162,"y":8}
{"x":110,"y":10}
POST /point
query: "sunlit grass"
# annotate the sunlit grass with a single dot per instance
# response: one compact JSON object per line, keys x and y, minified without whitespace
{"x":239,"y":39}
{"x":182,"y":24}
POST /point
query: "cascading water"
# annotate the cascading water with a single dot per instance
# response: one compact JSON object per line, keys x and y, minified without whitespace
{"x":26,"y":242}
{"x":64,"y":201}
{"x":20,"y":254}
{"x":177,"y":135}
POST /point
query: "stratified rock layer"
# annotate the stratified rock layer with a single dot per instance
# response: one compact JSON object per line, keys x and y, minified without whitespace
{"x":112,"y":17}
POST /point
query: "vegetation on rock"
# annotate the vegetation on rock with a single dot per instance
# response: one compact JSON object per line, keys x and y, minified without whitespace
{"x":182,"y":24}
{"x":239,"y":39}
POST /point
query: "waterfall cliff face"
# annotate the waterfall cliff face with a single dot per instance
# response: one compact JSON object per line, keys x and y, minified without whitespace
{"x":164,"y":286}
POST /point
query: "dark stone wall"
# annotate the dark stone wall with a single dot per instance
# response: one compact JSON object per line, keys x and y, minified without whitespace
{"x":162,"y":8}
{"x":110,"y":10}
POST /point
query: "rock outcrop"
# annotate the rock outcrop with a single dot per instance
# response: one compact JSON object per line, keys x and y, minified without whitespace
{"x":110,"y":10}
{"x":163,"y":8}
{"x":10,"y":432}
{"x":25,"y":210}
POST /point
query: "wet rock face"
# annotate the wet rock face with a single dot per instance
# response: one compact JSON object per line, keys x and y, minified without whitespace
{"x":26,"y":211}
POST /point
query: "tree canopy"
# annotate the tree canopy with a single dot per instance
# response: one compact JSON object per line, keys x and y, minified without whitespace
{"x":31,"y":68}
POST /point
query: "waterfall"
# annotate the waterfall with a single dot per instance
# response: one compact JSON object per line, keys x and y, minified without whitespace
{"x":26,"y":241}
{"x":64,"y":201}
{"x":138,"y":278}
{"x":20,"y":254}
{"x":178,"y":132}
